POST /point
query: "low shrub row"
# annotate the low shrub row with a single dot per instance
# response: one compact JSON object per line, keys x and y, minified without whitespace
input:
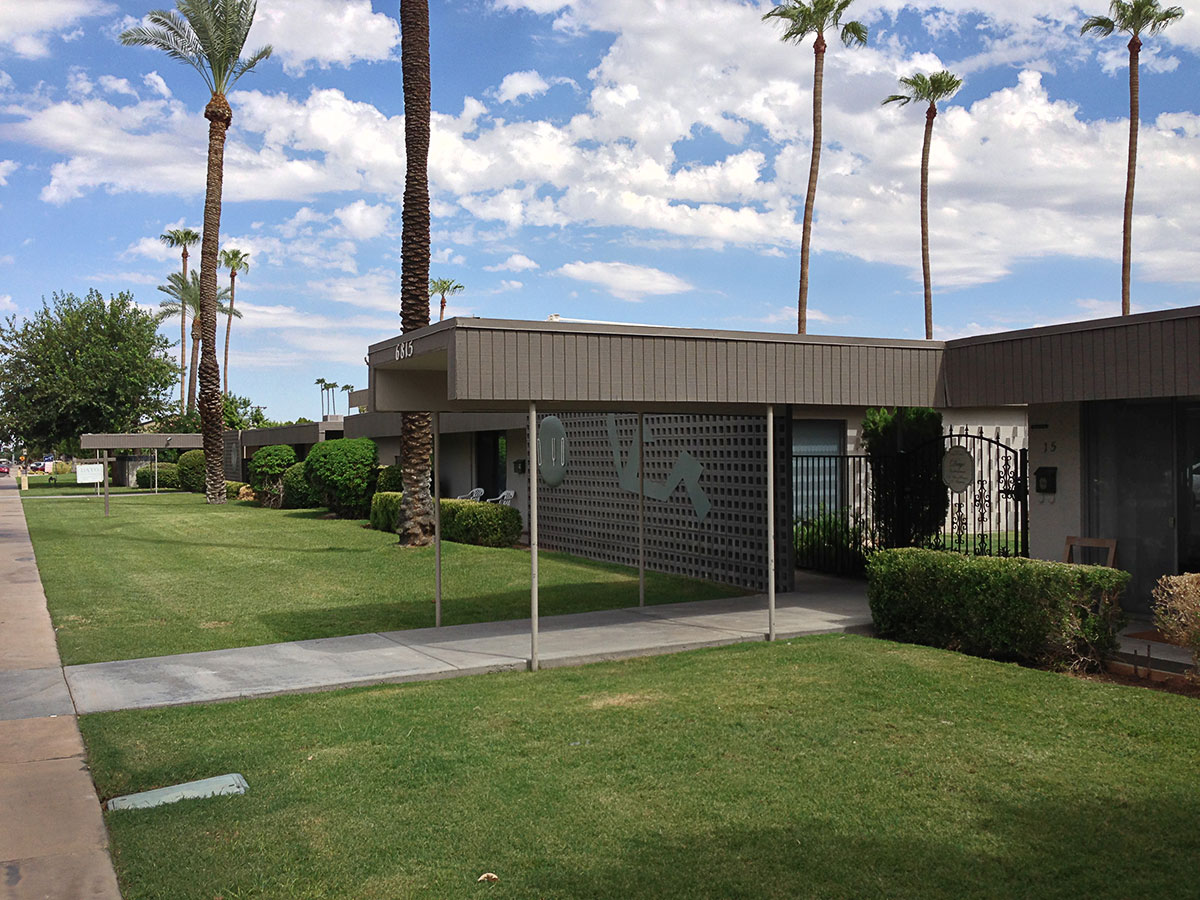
{"x":1177,"y":612}
{"x":1022,"y":610}
{"x":463,"y":521}
{"x":390,"y":480}
{"x":168,"y":476}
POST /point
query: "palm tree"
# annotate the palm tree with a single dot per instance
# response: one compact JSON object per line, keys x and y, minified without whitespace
{"x":235,"y":261}
{"x":209,"y":36}
{"x":324,"y":386}
{"x":803,"y":19}
{"x":416,"y":437}
{"x":348,"y":388}
{"x":185,"y":301}
{"x":182,"y":237}
{"x":1134,"y":17}
{"x":445,"y":287}
{"x":927,"y":89}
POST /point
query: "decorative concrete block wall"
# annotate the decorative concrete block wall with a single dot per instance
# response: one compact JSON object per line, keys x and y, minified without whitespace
{"x":715,"y":530}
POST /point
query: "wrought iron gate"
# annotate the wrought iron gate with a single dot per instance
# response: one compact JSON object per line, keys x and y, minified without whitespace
{"x":846,"y":506}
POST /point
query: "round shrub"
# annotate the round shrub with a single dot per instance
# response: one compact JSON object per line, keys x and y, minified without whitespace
{"x":385,"y":510}
{"x":297,"y":494}
{"x":266,"y":472}
{"x":191,"y":471}
{"x":233,"y":489}
{"x":168,"y":476}
{"x":344,"y":473}
{"x":390,"y":480}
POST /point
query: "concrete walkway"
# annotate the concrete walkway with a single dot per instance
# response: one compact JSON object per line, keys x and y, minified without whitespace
{"x":821,"y":605}
{"x":53,"y":845}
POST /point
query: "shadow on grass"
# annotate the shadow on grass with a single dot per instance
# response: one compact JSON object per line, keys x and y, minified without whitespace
{"x":1038,"y":849}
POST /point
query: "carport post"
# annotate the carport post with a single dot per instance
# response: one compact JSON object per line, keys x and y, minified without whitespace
{"x":533,"y":538}
{"x":641,"y":510}
{"x":437,"y":520}
{"x":156,"y":470}
{"x":770,"y":522}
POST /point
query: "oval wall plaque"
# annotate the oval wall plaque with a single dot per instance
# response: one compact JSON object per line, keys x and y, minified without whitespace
{"x":552,"y":451}
{"x":958,"y":468}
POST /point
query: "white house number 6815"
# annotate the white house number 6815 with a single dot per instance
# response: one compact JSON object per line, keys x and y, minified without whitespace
{"x":404,"y":350}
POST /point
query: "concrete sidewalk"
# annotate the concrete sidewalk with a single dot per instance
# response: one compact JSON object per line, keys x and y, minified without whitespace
{"x":52,"y":838}
{"x":822,"y":605}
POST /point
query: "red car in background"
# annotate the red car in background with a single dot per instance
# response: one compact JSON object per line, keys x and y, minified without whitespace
{"x":3,"y":469}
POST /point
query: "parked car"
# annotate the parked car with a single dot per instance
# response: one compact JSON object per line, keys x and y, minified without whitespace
{"x":3,"y":469}
{"x":37,"y":466}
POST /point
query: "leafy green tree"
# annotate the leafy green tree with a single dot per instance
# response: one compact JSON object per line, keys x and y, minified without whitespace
{"x":79,"y":366}
{"x":1134,"y":18}
{"x":905,"y":456}
{"x":182,"y":237}
{"x":801,"y":20}
{"x":235,"y":261}
{"x":929,"y":89}
{"x":185,"y":296}
{"x":416,"y":435}
{"x":209,"y":36}
{"x":444,"y":287}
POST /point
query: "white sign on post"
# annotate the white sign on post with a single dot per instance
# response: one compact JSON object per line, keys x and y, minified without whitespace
{"x":89,"y":473}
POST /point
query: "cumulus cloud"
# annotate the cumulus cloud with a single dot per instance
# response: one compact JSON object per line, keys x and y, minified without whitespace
{"x":27,"y":27}
{"x":361,"y":221}
{"x":7,"y":167}
{"x":446,"y":255}
{"x":516,"y":86}
{"x":518,"y":262}
{"x":626,"y":281}
{"x":6,"y":303}
{"x":324,"y":33}
{"x":155,"y":82}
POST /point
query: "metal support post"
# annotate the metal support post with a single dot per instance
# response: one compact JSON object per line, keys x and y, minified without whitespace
{"x":437,"y":520}
{"x":770,"y":522}
{"x":641,"y":447}
{"x":533,"y":537}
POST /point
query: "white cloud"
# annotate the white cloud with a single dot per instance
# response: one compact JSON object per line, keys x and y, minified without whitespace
{"x":377,"y":289}
{"x":7,"y":167}
{"x":516,"y":85}
{"x":447,"y":256}
{"x":6,"y":303}
{"x":362,"y":221}
{"x":626,"y":281}
{"x":155,"y":82}
{"x":115,"y":85}
{"x":518,"y":262}
{"x":324,"y":33}
{"x":27,"y":25}
{"x":507,"y":284}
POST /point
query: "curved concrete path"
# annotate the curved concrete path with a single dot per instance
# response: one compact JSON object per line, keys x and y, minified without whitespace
{"x":53,"y":845}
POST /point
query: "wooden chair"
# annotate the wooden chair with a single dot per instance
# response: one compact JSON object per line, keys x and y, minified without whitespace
{"x":1109,"y":544}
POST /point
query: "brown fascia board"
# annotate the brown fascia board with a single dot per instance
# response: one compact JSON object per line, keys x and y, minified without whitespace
{"x":1158,"y":315}
{"x":156,"y":440}
{"x":656,"y":331}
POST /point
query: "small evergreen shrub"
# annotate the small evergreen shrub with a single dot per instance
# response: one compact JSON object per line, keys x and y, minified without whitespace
{"x":385,"y":510}
{"x":168,"y":476}
{"x":1022,"y":610}
{"x":1177,"y":612}
{"x":60,"y":467}
{"x":191,"y":471}
{"x":297,"y":493}
{"x":233,"y":488}
{"x":390,"y":480}
{"x":482,"y":524}
{"x":267,"y":467}
{"x":344,"y":472}
{"x":463,"y":521}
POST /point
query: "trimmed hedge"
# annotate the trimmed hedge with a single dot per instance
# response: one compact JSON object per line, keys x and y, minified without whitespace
{"x":390,"y":480}
{"x":267,"y":466}
{"x":343,"y":473}
{"x":168,"y":476}
{"x":385,"y":510}
{"x":233,"y":488}
{"x":1023,"y":610}
{"x":191,"y":471}
{"x":297,"y":493}
{"x":463,"y":521}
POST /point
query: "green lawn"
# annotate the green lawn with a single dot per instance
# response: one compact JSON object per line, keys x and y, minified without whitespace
{"x":823,"y":767}
{"x":40,"y":484}
{"x":170,"y":574}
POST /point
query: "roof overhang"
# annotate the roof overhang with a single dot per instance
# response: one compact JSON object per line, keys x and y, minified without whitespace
{"x":141,"y":441}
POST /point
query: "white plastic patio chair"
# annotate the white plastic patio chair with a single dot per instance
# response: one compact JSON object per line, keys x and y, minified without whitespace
{"x":472,"y":494}
{"x":505,"y":498}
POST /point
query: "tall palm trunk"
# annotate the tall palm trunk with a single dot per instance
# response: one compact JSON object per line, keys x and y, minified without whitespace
{"x":229,"y":326}
{"x":183,"y":340}
{"x":810,"y":198}
{"x":191,"y":401}
{"x":1135,"y":46}
{"x":219,"y":116}
{"x":930,"y":115}
{"x":416,"y":438}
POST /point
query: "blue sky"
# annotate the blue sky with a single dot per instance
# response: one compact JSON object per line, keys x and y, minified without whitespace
{"x":621,"y":160}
